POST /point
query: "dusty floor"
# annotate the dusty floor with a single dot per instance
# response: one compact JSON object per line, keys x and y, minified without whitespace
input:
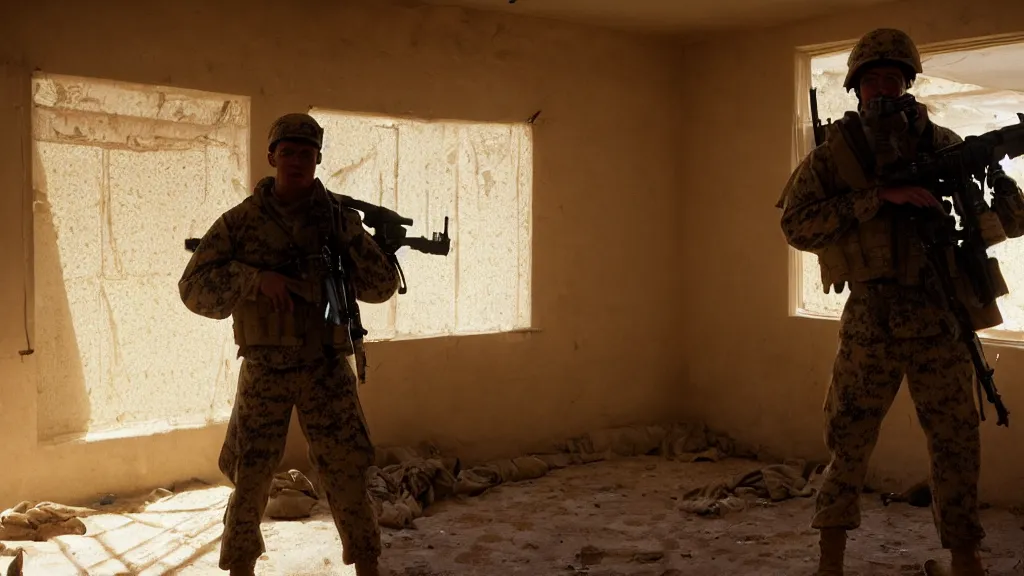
{"x":603,"y":519}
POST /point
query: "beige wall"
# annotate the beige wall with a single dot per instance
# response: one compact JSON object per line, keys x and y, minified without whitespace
{"x":606,"y":137}
{"x":685,"y":303}
{"x":759,"y":373}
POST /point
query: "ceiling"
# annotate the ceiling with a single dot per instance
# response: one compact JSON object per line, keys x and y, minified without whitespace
{"x":677,"y":16}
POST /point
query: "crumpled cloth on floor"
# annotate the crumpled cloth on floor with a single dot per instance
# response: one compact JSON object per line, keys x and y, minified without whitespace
{"x":477,"y":480}
{"x":42,"y":521}
{"x":401,"y":490}
{"x":292,"y":496}
{"x":684,"y":441}
{"x":772,"y":483}
{"x":407,"y":480}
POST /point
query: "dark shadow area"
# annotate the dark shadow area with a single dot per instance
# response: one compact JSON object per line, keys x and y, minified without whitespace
{"x":63,"y":399}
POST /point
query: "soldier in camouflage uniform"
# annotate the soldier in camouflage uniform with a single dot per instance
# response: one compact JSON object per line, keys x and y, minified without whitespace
{"x":895,"y":323}
{"x":256,"y":265}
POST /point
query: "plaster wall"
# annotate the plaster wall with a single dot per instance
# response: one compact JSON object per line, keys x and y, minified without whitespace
{"x":606,"y":299}
{"x":759,"y":373}
{"x":660,"y":274}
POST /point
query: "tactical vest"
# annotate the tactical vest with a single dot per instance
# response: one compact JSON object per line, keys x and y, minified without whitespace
{"x":256,"y":323}
{"x":883,"y":248}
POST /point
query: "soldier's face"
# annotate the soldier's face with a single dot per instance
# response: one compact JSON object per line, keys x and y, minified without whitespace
{"x":295,"y":162}
{"x":885,"y":81}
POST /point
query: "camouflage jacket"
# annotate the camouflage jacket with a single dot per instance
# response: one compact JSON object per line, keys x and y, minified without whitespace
{"x":259,"y":234}
{"x":818,"y":212}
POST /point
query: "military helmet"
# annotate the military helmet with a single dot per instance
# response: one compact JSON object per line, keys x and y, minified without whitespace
{"x":296,"y":127}
{"x":883,"y":45}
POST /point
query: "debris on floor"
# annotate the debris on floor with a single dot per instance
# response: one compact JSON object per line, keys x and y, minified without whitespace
{"x":292,"y":496}
{"x":612,"y":503}
{"x":919,"y":494}
{"x":763,"y":486}
{"x":608,"y":518}
{"x":42,"y":521}
{"x":412,"y":479}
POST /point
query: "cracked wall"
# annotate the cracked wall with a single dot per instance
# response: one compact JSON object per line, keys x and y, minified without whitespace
{"x":122,"y":174}
{"x":479,"y":176}
{"x":603,"y":151}
{"x":660,"y":277}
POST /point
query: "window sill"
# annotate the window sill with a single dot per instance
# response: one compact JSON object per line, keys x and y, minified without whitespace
{"x":133,"y":431}
{"x":993,"y":337}
{"x":515,"y":333}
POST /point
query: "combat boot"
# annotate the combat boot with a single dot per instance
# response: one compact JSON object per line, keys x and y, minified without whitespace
{"x":832,"y":543}
{"x":241,"y":569}
{"x":17,"y":567}
{"x":369,"y":568}
{"x":965,"y":562}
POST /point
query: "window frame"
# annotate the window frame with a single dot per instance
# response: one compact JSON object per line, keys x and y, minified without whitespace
{"x":803,"y":142}
{"x":530,"y":316}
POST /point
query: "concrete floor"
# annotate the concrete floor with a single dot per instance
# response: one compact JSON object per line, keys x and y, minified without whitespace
{"x":612,"y":518}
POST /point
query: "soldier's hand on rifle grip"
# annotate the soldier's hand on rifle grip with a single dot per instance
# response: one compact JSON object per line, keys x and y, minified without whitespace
{"x":913,"y":195}
{"x":1000,"y":183}
{"x":274,"y":286}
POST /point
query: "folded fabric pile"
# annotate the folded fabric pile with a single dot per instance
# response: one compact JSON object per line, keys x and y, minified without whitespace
{"x":408,"y":480}
{"x":772,"y":483}
{"x":42,"y":521}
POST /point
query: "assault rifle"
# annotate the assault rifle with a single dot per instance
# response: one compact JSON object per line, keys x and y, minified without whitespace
{"x":819,"y":129}
{"x":389,"y":232}
{"x":389,"y":229}
{"x":960,"y":172}
{"x":955,"y":173}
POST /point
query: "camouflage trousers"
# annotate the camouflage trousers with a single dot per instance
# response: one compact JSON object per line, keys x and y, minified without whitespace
{"x":339,"y":447}
{"x":877,"y":349}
